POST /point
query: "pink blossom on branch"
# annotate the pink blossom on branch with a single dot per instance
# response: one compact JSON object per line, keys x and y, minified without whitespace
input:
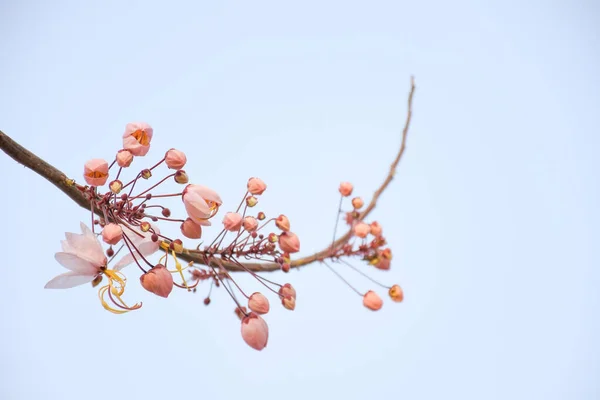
{"x":137,"y":138}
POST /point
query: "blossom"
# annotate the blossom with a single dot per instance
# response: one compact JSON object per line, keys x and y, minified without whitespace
{"x":283,"y":223}
{"x":255,"y":331}
{"x":375,"y":228}
{"x":362,"y":230}
{"x":112,"y":233}
{"x":190,"y":229}
{"x":346,"y":189}
{"x":396,"y":293}
{"x":137,"y":138}
{"x":124,"y":158}
{"x":175,"y":159}
{"x":250,"y":224}
{"x":232,"y":221}
{"x":201,"y":203}
{"x":258,"y":303}
{"x":95,"y":172}
{"x":289,"y":242}
{"x":372,"y":301}
{"x":287,"y":290}
{"x":83,"y":256}
{"x":158,"y":281}
{"x":357,"y":203}
{"x":141,"y":243}
{"x":289,"y":302}
{"x":256,"y":186}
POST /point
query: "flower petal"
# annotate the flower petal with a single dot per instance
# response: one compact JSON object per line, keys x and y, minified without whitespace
{"x":68,"y":280}
{"x":77,"y":264}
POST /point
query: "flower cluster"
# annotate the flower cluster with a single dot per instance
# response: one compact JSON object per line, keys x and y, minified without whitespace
{"x":127,"y":220}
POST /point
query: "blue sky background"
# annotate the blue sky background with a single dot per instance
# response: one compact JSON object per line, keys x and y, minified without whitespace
{"x":493,"y":217}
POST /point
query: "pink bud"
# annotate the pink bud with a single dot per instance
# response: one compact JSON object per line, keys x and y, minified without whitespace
{"x":283,"y":223}
{"x":240,"y":312}
{"x":201,"y":203}
{"x":137,"y":138}
{"x":261,"y":216}
{"x":250,"y":224}
{"x":258,"y":303}
{"x":346,"y":189}
{"x":396,"y":293}
{"x":289,"y":303}
{"x":357,"y":203}
{"x":112,"y":234}
{"x":190,"y":229}
{"x":375,"y":228}
{"x":287,"y":290}
{"x":372,"y":301}
{"x":382,"y":263}
{"x":158,"y":281}
{"x":251,"y":201}
{"x":95,"y":172}
{"x":255,"y":331}
{"x":256,"y":186}
{"x":362,"y":230}
{"x":289,"y":242}
{"x":124,"y":158}
{"x":175,"y":159}
{"x":232,"y":221}
{"x":116,"y":186}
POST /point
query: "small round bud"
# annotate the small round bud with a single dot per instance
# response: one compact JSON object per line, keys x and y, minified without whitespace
{"x":372,"y":301}
{"x":145,"y":226}
{"x":357,"y":203}
{"x":116,"y":186}
{"x":256,"y":186}
{"x":396,"y":293}
{"x":289,"y":302}
{"x":146,"y":173}
{"x":207,"y":301}
{"x":112,"y":234}
{"x":362,"y":230}
{"x":166,"y":212}
{"x":110,"y":252}
{"x":251,"y":201}
{"x":261,"y":216}
{"x":285,"y":267}
{"x":283,"y":223}
{"x":258,"y":303}
{"x":346,"y":189}
{"x":375,"y":228}
{"x":250,"y":224}
{"x":176,"y":245}
{"x":175,"y":159}
{"x":124,"y":158}
{"x":289,"y":242}
{"x":232,"y":221}
{"x":273,"y":238}
{"x":181,"y":177}
{"x":191,"y":230}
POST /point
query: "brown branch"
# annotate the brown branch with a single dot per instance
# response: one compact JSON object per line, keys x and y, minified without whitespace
{"x":61,"y":181}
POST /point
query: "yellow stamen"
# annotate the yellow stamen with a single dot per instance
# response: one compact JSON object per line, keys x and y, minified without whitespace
{"x":116,"y":285}
{"x":141,"y":136}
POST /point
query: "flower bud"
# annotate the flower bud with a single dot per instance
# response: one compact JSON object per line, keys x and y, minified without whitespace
{"x":190,"y":229}
{"x":357,"y":203}
{"x":181,"y":177}
{"x":116,"y":186}
{"x":232,"y":221}
{"x":240,"y":312}
{"x":251,"y":201}
{"x":177,"y":246}
{"x":256,"y":186}
{"x":137,"y":138}
{"x":95,"y":172}
{"x":112,"y":233}
{"x":158,"y":281}
{"x":255,"y":331}
{"x":261,"y":215}
{"x":146,"y":173}
{"x":283,"y":223}
{"x":372,"y":301}
{"x":145,"y":226}
{"x":396,"y":293}
{"x":375,"y":228}
{"x":285,"y":267}
{"x":273,"y":238}
{"x":289,"y":303}
{"x":362,"y":230}
{"x":289,"y":242}
{"x":124,"y":158}
{"x":250,"y":224}
{"x":258,"y":303}
{"x":175,"y":159}
{"x":206,"y":301}
{"x":287,"y":290}
{"x":346,"y":189}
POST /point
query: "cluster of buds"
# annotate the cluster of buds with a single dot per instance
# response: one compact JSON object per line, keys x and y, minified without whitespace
{"x":128,"y":220}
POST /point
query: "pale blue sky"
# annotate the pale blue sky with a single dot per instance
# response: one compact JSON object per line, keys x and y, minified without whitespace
{"x":493,"y":216}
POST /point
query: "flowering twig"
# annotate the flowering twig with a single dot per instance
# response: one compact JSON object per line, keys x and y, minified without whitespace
{"x":61,"y":181}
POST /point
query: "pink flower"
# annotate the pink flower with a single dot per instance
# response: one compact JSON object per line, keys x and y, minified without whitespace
{"x":289,"y":242}
{"x":201,"y":203}
{"x":258,"y":303}
{"x":346,"y":189}
{"x":255,"y":331}
{"x":283,"y":223}
{"x":372,"y":301}
{"x":250,"y":224}
{"x":95,"y":172}
{"x":124,"y":158}
{"x":175,"y":159}
{"x":112,"y":234}
{"x":256,"y":186}
{"x":142,"y":241}
{"x":287,"y":290}
{"x":83,"y":256}
{"x":362,"y":230}
{"x":137,"y":138}
{"x":232,"y":221}
{"x":375,"y":228}
{"x":396,"y":293}
{"x":190,"y":229}
{"x":158,"y":281}
{"x":357,"y":203}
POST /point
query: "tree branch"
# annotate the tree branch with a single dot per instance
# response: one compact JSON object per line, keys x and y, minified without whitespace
{"x":61,"y":181}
